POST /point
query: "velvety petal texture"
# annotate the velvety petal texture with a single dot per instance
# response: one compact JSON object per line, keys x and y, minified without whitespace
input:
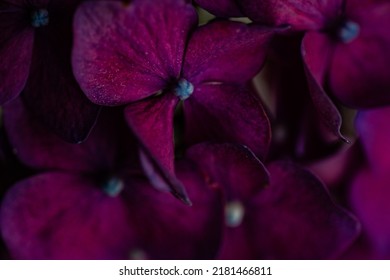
{"x":62,"y":216}
{"x":295,"y":218}
{"x":119,"y":54}
{"x":16,"y":41}
{"x":152,"y":122}
{"x":221,"y":8}
{"x":370,"y":200}
{"x":375,"y":137}
{"x":286,"y":214}
{"x":316,"y":52}
{"x":359,"y":72}
{"x":221,"y":108}
{"x":39,"y":148}
{"x":224,"y":51}
{"x":170,"y":229}
{"x":301,"y":15}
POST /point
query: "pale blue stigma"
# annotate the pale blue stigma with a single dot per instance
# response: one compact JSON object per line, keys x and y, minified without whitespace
{"x":113,"y":187}
{"x":234,"y":214}
{"x":184,"y":89}
{"x":39,"y":18}
{"x":349,"y":31}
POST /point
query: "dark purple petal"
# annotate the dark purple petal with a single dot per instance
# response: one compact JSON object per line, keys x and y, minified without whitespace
{"x":151,"y":120}
{"x":301,"y":15}
{"x":232,"y":168}
{"x":295,"y":218}
{"x":171,"y":230}
{"x":221,"y":8}
{"x":39,"y":148}
{"x":316,"y":52}
{"x":225,"y":113}
{"x":370,"y":200}
{"x":62,"y":216}
{"x":16,"y":43}
{"x":225,"y":51}
{"x":52,"y":94}
{"x":359,"y":73}
{"x":372,"y":127}
{"x":125,"y":53}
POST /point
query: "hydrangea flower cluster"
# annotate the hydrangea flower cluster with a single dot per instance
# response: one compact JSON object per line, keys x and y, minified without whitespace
{"x":140,"y":130}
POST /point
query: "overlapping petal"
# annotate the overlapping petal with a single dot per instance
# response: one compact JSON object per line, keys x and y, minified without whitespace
{"x":228,"y":52}
{"x":63,"y":216}
{"x":16,"y":41}
{"x":359,"y":72}
{"x":151,"y":120}
{"x":301,"y":15}
{"x":125,"y":53}
{"x":316,"y":52}
{"x":227,"y":113}
{"x":40,"y":149}
{"x":172,"y":230}
{"x":295,"y":218}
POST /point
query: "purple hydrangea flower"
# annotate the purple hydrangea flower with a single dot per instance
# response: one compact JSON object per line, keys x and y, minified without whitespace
{"x":89,"y":201}
{"x":345,"y":47}
{"x":151,"y":56}
{"x":278,"y":212}
{"x":35,"y":49}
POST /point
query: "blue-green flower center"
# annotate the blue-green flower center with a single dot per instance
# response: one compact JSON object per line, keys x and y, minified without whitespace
{"x":113,"y":187}
{"x":348,"y":31}
{"x":184,"y":89}
{"x":234,"y":213}
{"x":39,"y":18}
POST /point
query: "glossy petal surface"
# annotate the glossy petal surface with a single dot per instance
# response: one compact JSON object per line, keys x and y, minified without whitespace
{"x":125,"y":53}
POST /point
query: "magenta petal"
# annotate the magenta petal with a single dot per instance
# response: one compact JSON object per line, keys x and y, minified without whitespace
{"x":372,"y":128}
{"x":316,"y":52}
{"x":126,"y":53}
{"x":359,"y":74}
{"x":172,"y":230}
{"x":16,"y":43}
{"x":226,"y":113}
{"x":225,"y":51}
{"x":151,"y":120}
{"x":295,"y":218}
{"x":370,"y":199}
{"x":221,"y":8}
{"x":38,"y":148}
{"x":232,"y":168}
{"x":62,"y":216}
{"x":301,"y":15}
